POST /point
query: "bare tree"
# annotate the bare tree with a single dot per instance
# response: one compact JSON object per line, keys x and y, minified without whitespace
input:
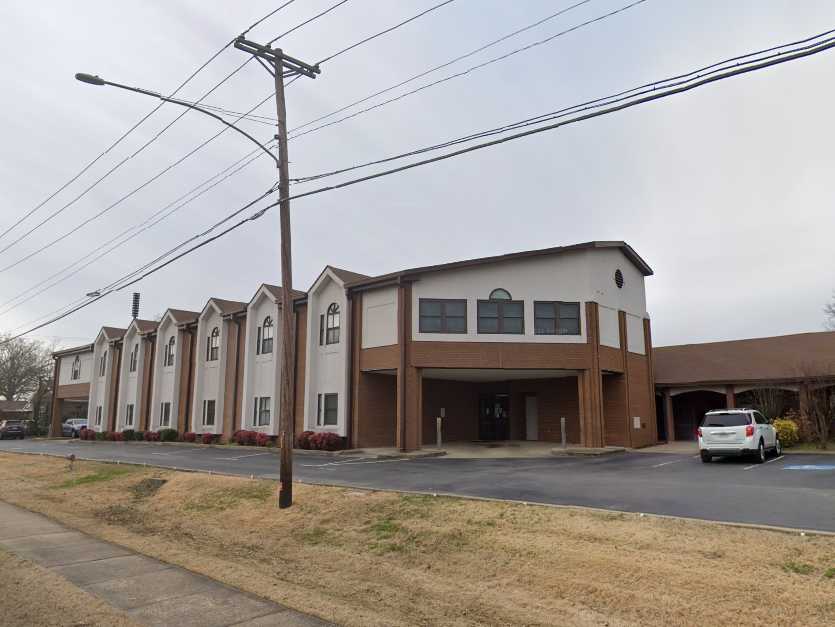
{"x":829,"y":312}
{"x":820,"y":408}
{"x":769,"y":401}
{"x":24,"y":364}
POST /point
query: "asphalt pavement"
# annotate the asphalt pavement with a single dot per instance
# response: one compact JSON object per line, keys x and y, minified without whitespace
{"x":795,"y":491}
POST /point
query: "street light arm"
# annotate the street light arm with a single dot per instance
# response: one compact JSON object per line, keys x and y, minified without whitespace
{"x":95,"y":80}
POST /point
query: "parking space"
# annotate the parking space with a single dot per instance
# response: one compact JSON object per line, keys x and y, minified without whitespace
{"x":795,"y":491}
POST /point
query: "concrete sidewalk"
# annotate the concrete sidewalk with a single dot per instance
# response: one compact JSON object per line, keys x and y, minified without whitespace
{"x":149,"y":591}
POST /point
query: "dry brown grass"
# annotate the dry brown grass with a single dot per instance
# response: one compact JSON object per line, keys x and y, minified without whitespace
{"x":31,"y":595}
{"x":377,"y":558}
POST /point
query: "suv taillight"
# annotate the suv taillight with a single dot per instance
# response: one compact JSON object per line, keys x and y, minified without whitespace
{"x":749,"y":431}
{"x":699,"y":431}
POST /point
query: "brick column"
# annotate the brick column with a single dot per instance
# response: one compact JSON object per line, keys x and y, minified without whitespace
{"x":730,"y":397}
{"x":590,"y":386}
{"x":669,"y":417}
{"x":409,"y":378}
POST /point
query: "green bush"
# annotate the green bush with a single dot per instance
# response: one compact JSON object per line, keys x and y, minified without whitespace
{"x":139,"y":436}
{"x":787,"y":431}
{"x":101,"y":436}
{"x":168,"y":435}
{"x":128,"y":434}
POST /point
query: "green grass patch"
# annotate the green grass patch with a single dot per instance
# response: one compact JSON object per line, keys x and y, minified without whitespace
{"x":105,"y":474}
{"x":829,"y":573}
{"x":314,"y":535}
{"x":798,"y":568}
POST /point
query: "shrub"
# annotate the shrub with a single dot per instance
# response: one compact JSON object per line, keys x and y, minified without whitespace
{"x":116,"y":436}
{"x":787,"y":431}
{"x":139,"y":436}
{"x":189,"y":436}
{"x":303,"y":440}
{"x":244,"y":437}
{"x":128,"y":435}
{"x":168,"y":435}
{"x":207,"y":438}
{"x":326,"y":441}
{"x":262,"y":439}
{"x":101,"y":436}
{"x":86,"y":434}
{"x":152,"y":436}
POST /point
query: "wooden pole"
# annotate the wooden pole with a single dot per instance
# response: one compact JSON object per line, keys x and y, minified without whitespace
{"x":286,"y":436}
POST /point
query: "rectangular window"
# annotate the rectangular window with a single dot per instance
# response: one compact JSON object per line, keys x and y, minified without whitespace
{"x":267,"y":339}
{"x":501,"y":316}
{"x":165,"y":415}
{"x":129,"y":415}
{"x":261,"y":411}
{"x":98,"y":415}
{"x":438,"y":315}
{"x":556,"y":318}
{"x":322,"y":330}
{"x":208,"y":413}
{"x":102,"y":364}
{"x":327,"y":414}
{"x":258,"y":342}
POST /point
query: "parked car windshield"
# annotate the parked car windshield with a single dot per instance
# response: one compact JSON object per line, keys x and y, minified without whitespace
{"x":726,"y":420}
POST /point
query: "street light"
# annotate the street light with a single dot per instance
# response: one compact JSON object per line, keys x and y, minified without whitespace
{"x":94,"y":79}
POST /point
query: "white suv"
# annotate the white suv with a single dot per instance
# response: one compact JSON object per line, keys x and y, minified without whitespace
{"x":737,"y":432}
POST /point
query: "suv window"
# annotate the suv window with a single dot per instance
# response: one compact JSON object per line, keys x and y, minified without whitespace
{"x":759,"y":418}
{"x":726,"y":419}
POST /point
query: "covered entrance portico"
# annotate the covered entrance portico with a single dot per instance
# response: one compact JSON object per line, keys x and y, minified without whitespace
{"x":484,"y":404}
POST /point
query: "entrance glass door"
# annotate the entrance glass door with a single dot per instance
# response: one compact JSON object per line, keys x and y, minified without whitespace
{"x":494,"y":417}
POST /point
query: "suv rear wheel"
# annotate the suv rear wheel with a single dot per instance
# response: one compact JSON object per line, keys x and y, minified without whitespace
{"x":760,"y":453}
{"x":705,"y":457}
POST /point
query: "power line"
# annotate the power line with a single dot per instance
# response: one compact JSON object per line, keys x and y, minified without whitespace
{"x":633,"y":92}
{"x":138,"y":229}
{"x":308,"y":21}
{"x":133,"y":128}
{"x":386,"y":31}
{"x":472,"y":68}
{"x":443,"y":65}
{"x":656,"y":95}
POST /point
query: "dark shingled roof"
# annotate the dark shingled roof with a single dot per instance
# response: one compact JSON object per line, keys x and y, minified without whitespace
{"x":346,"y":276}
{"x":10,"y":406}
{"x":145,"y":326}
{"x":113,"y":333}
{"x":228,"y":306}
{"x":275,"y":290}
{"x":182,"y":316}
{"x":780,"y":358}
{"x":627,"y":250}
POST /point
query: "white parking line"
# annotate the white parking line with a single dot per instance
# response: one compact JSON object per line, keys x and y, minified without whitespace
{"x":241,"y":456}
{"x":350,"y":463}
{"x":675,"y":461}
{"x":767,"y":462}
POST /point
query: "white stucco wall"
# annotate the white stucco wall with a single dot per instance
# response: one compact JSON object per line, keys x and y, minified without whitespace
{"x":99,"y":388}
{"x":130,"y":383}
{"x":379,"y":317}
{"x":85,"y":362}
{"x":609,"y":327}
{"x":209,"y":375}
{"x":326,"y":369}
{"x":166,"y":379}
{"x":575,"y":276}
{"x":261,"y":372}
{"x":635,"y":334}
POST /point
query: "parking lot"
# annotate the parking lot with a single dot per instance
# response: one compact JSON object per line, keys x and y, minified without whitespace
{"x":796,"y":491}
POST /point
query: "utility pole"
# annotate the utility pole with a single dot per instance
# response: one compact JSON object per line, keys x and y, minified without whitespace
{"x":281,"y":66}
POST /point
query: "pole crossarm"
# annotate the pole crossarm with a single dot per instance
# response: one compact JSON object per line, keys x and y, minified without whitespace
{"x":276,"y":58}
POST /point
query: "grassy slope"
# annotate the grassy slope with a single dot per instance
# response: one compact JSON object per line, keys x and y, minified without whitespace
{"x":377,"y":558}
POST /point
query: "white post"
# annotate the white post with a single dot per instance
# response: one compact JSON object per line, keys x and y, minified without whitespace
{"x":562,"y":431}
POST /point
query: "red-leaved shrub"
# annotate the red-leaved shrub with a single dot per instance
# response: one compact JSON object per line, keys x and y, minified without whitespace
{"x":152,"y":436}
{"x":326,"y":441}
{"x":86,"y":434}
{"x":262,"y":439}
{"x":116,"y":436}
{"x":207,"y":438}
{"x":244,"y":437}
{"x":303,"y":440}
{"x":189,"y":436}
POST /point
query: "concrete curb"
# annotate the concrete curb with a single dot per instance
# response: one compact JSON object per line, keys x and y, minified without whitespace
{"x":581,"y":508}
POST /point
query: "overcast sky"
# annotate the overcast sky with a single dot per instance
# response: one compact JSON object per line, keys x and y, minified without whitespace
{"x":726,"y":191}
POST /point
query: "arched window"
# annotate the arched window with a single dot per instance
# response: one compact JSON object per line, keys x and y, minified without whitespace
{"x":213,"y":345}
{"x":134,"y":357}
{"x":264,"y":342}
{"x":332,"y":325}
{"x":501,"y":314}
{"x":76,"y":369}
{"x":102,"y":363}
{"x":500,"y":294}
{"x":168,"y":359}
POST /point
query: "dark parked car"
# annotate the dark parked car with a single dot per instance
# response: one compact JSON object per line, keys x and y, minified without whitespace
{"x":71,"y":427}
{"x":11,"y":429}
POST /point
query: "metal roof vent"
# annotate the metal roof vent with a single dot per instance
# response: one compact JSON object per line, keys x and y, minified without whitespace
{"x":619,"y":278}
{"x":134,"y":309}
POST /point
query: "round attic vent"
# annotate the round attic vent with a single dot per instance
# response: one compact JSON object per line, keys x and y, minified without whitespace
{"x":619,"y":278}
